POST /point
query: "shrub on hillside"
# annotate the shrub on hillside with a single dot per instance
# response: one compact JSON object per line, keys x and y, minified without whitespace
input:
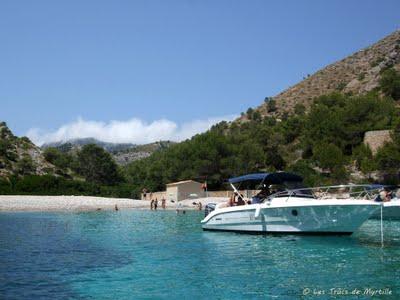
{"x":328,"y":156}
{"x":58,"y":158}
{"x":25,"y":165}
{"x":390,"y":83}
{"x":97,"y":165}
{"x":271,"y":105}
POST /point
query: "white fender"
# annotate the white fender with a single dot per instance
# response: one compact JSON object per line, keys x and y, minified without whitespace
{"x":257,"y":213}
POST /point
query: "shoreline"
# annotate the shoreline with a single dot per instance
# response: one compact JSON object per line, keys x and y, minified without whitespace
{"x":28,"y":203}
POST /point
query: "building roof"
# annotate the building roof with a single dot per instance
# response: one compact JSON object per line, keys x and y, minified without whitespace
{"x":182,"y":182}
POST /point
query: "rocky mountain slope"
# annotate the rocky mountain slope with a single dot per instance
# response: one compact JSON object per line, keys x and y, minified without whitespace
{"x":76,"y":144}
{"x":19,"y":156}
{"x":357,"y":74}
{"x":123,"y":153}
{"x":124,"y":157}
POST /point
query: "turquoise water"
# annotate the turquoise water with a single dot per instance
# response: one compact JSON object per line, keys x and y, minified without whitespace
{"x":161,"y":255}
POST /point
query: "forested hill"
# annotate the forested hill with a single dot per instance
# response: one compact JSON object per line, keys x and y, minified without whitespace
{"x":315,"y":128}
{"x":325,"y":146}
{"x":358,"y":74}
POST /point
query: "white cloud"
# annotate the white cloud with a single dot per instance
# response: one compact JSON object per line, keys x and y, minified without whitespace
{"x":133,"y":131}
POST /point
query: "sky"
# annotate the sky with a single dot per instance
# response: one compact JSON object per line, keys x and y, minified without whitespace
{"x":140,"y":71}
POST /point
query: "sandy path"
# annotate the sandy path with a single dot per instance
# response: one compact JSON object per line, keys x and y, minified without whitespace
{"x":87,"y":203}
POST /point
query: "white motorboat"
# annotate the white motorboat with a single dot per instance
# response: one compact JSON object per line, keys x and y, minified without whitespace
{"x":289,"y":210}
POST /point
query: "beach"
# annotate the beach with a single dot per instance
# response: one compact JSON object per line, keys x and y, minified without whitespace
{"x":88,"y":203}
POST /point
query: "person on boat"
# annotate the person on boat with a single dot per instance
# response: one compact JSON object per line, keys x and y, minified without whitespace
{"x":240,"y":201}
{"x":163,"y":202}
{"x":231,"y":201}
{"x":384,"y":195}
{"x":264,"y":193}
{"x":389,"y":194}
{"x":155,"y":204}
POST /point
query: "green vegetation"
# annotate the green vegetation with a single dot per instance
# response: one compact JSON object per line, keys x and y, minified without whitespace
{"x":340,"y":86}
{"x":51,"y":185}
{"x":25,"y":166}
{"x":321,"y":145}
{"x":96,"y":165}
{"x":390,"y":83}
{"x":271,"y":105}
{"x":59,"y":159}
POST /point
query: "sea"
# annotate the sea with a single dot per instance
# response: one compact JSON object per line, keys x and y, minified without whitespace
{"x":141,"y":254}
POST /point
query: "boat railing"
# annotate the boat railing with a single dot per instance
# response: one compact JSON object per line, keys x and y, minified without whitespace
{"x":353,"y":191}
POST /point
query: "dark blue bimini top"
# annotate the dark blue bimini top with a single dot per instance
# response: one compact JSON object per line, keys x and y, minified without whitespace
{"x":271,"y":178}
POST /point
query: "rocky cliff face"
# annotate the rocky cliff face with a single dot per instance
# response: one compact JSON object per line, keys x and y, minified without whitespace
{"x":376,"y":139}
{"x":124,"y":157}
{"x":19,"y":156}
{"x":357,"y":73}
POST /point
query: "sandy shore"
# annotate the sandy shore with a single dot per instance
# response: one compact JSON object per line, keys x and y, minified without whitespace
{"x":86,"y":203}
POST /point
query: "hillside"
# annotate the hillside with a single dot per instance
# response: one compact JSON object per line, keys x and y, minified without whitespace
{"x":339,"y":125}
{"x":126,"y":156}
{"x":357,"y":74}
{"x":123,"y":153}
{"x":19,"y":156}
{"x":77,"y":144}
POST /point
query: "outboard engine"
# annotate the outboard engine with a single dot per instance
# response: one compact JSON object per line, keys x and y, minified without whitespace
{"x":209,"y":208}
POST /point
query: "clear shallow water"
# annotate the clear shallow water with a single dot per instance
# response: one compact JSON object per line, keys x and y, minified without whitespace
{"x":147,"y":255}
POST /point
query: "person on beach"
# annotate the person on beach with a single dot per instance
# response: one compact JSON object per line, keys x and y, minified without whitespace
{"x":155,"y":204}
{"x":163,"y":202}
{"x":200,"y":206}
{"x":179,"y":208}
{"x":151,"y":204}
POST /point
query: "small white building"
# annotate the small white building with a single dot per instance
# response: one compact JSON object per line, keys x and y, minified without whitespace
{"x":181,"y":190}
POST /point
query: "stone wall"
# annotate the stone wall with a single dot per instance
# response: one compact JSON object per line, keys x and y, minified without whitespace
{"x":376,"y":139}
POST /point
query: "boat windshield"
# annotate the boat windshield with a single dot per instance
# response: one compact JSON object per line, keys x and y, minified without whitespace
{"x":270,"y":185}
{"x":285,"y":189}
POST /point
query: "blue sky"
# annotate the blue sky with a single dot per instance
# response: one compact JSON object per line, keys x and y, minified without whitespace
{"x":68,"y":66}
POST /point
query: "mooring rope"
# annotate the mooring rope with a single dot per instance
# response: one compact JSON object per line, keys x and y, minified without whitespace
{"x":382,"y":225}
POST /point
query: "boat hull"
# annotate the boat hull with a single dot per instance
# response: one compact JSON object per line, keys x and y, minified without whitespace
{"x":391,"y":211}
{"x":315,"y":218}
